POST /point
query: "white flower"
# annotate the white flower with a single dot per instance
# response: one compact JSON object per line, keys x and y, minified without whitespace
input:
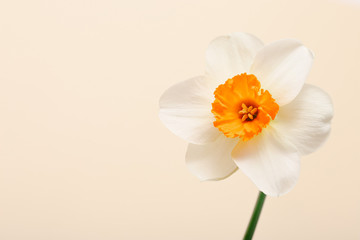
{"x":231,"y":121}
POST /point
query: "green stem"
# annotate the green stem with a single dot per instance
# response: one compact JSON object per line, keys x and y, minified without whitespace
{"x":255,"y":216}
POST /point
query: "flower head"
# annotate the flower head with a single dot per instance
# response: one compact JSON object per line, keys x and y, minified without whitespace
{"x":250,"y":110}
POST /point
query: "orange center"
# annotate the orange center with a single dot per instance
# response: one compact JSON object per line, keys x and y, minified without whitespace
{"x":241,"y":108}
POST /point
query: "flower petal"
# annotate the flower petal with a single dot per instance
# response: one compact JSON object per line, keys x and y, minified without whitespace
{"x":282,"y":68}
{"x":230,"y":55}
{"x":306,"y":121}
{"x":212,"y":161}
{"x":273,"y":165}
{"x":185,"y":109}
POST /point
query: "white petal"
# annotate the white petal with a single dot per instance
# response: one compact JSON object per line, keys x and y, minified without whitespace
{"x":272,"y":165}
{"x":282,"y":68}
{"x":185,"y":109}
{"x":212,"y":161}
{"x":306,"y":121}
{"x":230,"y":55}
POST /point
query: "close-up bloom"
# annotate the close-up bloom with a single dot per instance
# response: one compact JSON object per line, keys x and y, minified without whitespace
{"x":251,"y":110}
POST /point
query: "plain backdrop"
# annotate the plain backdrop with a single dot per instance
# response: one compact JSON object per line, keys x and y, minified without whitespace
{"x":83,"y":155}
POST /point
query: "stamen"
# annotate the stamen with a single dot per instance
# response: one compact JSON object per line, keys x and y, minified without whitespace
{"x":244,"y":117}
{"x":244,"y":106}
{"x":243,"y":111}
{"x":248,"y":113}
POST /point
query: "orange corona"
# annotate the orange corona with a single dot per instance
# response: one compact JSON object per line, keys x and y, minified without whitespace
{"x":241,"y":108}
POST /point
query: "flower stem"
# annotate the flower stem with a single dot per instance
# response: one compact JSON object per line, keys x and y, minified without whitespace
{"x":255,"y":216}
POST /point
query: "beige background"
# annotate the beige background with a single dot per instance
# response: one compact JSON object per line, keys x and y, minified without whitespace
{"x":84,"y":156}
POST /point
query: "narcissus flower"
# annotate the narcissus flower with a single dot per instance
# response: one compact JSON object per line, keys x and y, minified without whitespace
{"x":250,"y":110}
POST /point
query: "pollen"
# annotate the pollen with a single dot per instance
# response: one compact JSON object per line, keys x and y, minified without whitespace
{"x":241,"y":108}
